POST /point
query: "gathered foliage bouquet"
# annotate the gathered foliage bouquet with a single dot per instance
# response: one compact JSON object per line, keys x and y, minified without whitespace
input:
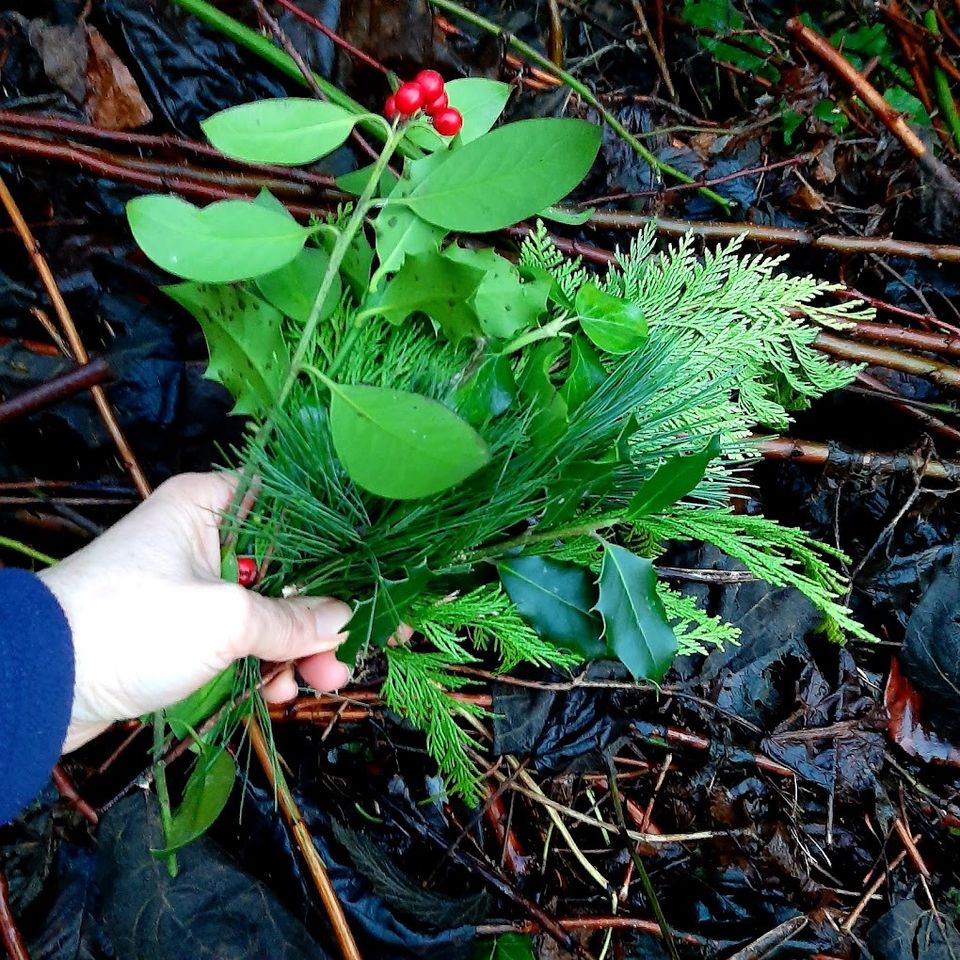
{"x":491,"y":447}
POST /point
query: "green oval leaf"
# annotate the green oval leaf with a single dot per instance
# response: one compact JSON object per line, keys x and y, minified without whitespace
{"x":585,"y":373}
{"x":227,"y":241}
{"x":204,"y":798}
{"x":673,"y":479}
{"x":293,"y":288}
{"x":506,"y":175}
{"x":614,"y":325}
{"x":291,"y":130}
{"x":557,"y":600}
{"x":635,"y":623}
{"x":401,"y":445}
{"x":480,"y":101}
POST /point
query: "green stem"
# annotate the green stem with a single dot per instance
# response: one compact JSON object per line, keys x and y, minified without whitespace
{"x":548,"y":330}
{"x":263,"y":48}
{"x":307,"y":335}
{"x":585,"y":92}
{"x":27,"y":551}
{"x":948,"y":106}
{"x":559,"y":533}
{"x":163,"y":793}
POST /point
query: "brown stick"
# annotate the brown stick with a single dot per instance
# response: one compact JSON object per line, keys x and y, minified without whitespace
{"x":68,"y":791}
{"x":854,"y":914}
{"x":9,"y":934}
{"x":315,"y":866}
{"x":872,"y":97}
{"x":918,"y":413}
{"x":814,"y":452}
{"x":940,"y":373}
{"x":73,"y":339}
{"x":65,"y":385}
{"x":917,"y":339}
{"x":763,"y":946}
{"x":777,"y":236}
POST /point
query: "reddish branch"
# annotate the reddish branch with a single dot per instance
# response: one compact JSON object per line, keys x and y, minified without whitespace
{"x":872,"y":97}
{"x":68,"y":791}
{"x":935,"y":370}
{"x":9,"y":934}
{"x":58,"y":388}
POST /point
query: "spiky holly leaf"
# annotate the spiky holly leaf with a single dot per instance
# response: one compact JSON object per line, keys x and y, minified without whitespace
{"x":248,"y":354}
{"x":434,"y":285}
{"x":636,"y":630}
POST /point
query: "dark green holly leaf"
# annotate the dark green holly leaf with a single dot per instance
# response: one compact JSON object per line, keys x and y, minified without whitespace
{"x":636,"y":630}
{"x":226,"y":241}
{"x":504,"y":304}
{"x":672,"y":480}
{"x":204,"y":798}
{"x":293,"y":288}
{"x":401,"y":445}
{"x":489,"y":392}
{"x":614,"y":325}
{"x":557,"y":600}
{"x":549,"y":419}
{"x":248,"y":354}
{"x":436,"y":286}
{"x":376,"y":619}
{"x":585,"y":373}
{"x":507,"y":175}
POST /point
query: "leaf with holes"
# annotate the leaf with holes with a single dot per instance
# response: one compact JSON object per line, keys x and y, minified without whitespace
{"x":401,"y":445}
{"x":674,"y":479}
{"x":248,"y":354}
{"x":557,"y":600}
{"x":289,"y":130}
{"x":226,"y":241}
{"x":636,"y":630}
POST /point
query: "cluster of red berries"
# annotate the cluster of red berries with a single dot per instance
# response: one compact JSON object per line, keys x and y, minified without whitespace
{"x":425,"y":92}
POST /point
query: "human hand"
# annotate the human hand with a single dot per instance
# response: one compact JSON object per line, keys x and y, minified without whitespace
{"x":152,"y":621}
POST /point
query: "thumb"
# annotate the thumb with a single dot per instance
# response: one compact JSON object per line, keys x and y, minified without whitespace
{"x":282,"y":630}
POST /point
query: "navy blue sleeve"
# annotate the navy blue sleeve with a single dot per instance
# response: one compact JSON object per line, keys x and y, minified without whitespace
{"x":36,"y":687}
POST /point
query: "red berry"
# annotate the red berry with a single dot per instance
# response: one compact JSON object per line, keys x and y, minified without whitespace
{"x":431,"y":83}
{"x":247,"y":571}
{"x":435,"y":106}
{"x":390,"y":108}
{"x":448,"y":122}
{"x":408,"y":98}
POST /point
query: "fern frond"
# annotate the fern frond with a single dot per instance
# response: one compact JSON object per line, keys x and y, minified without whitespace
{"x":539,"y":251}
{"x":417,"y":687}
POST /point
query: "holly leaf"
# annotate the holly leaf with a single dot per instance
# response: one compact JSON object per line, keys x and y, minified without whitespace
{"x":401,"y":233}
{"x":293,"y":288}
{"x":289,"y":130}
{"x":489,"y":392}
{"x":585,"y":373}
{"x":376,"y":619}
{"x":557,"y":599}
{"x":226,"y":241}
{"x":504,"y":304}
{"x":401,"y":445}
{"x":248,"y":354}
{"x":671,"y":481}
{"x":636,"y":630}
{"x":614,"y":325}
{"x":204,"y":798}
{"x":434,"y":285}
{"x":549,"y":420}
{"x":507,"y":175}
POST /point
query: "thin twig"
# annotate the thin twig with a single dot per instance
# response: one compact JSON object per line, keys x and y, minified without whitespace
{"x":870,"y":892}
{"x":294,"y":819}
{"x":69,"y":793}
{"x":77,"y":348}
{"x":772,"y":939}
{"x":9,"y":932}
{"x":57,"y":388}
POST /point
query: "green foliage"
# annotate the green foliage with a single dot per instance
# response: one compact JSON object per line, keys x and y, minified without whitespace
{"x":248,"y":353}
{"x":290,"y":131}
{"x":672,"y":481}
{"x":507,"y":946}
{"x":635,"y":624}
{"x":510,"y":174}
{"x":696,"y":630}
{"x":399,"y":444}
{"x":726,"y":37}
{"x":612,"y":323}
{"x":293,"y":288}
{"x":418,"y":687}
{"x":226,"y":241}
